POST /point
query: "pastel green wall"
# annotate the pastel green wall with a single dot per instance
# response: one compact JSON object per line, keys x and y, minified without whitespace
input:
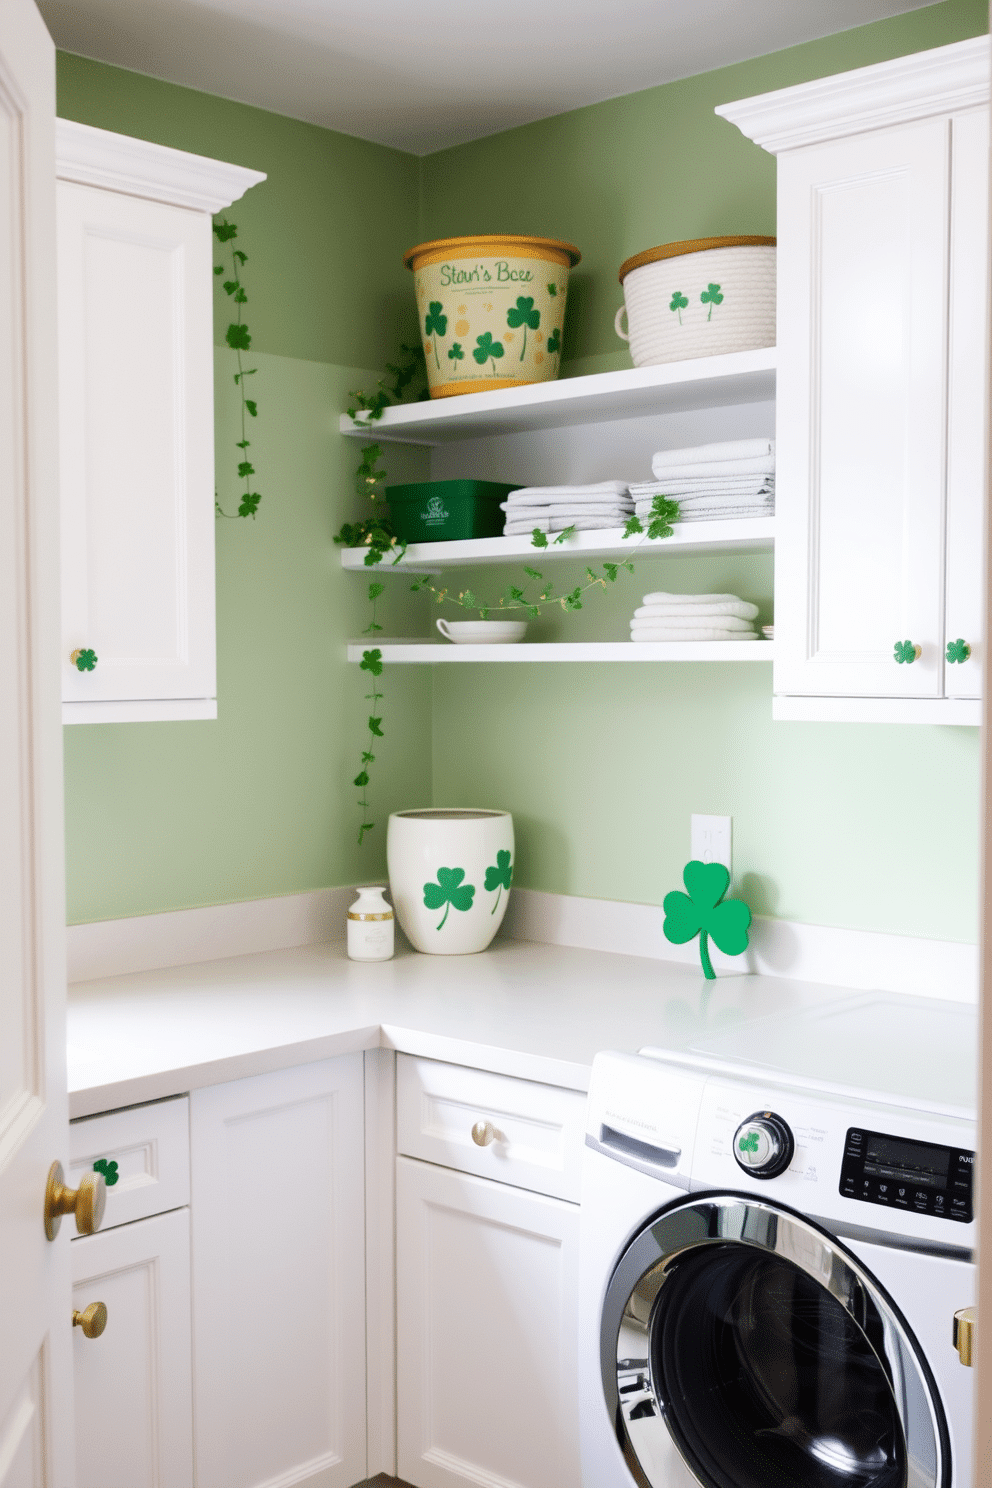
{"x":860,"y":826}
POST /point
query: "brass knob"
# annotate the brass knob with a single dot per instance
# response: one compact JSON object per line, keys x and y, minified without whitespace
{"x":483,"y":1132}
{"x":92,"y":1320}
{"x":965,"y":1331}
{"x":87,"y":1202}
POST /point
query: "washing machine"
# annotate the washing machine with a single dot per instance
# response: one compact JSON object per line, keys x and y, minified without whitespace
{"x":770,"y":1268}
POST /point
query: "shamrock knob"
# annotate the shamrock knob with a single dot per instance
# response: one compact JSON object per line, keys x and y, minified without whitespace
{"x":764,"y":1145}
{"x":83,"y":659}
{"x":958,"y":650}
{"x":906,"y":652}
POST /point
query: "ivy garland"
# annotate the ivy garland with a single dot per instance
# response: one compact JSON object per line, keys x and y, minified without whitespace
{"x":239,"y":339}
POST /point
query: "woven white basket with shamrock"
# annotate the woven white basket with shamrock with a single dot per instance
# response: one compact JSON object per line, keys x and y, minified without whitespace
{"x":450,"y":872}
{"x":698,"y":298}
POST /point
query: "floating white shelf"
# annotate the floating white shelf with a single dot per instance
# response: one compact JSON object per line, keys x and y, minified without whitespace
{"x":705,"y":382}
{"x":394,"y":651}
{"x":747,"y":535}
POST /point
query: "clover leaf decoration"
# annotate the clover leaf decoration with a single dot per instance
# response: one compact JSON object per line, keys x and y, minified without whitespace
{"x":371,"y":662}
{"x":455,"y":353}
{"x":905,"y":651}
{"x":487,"y":349}
{"x":108,"y":1169}
{"x":523,"y":314}
{"x":554,"y":340}
{"x":85,"y":660}
{"x":680,"y":303}
{"x":711,"y":296}
{"x":958,"y":650}
{"x":435,"y":324}
{"x":700,"y":912}
{"x":449,"y":890}
{"x":552,"y":290}
{"x":498,"y":877}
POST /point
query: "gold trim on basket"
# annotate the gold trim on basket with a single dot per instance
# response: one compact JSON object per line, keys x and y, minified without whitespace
{"x":370,"y":916}
{"x":481,"y":385}
{"x":691,"y":245}
{"x":489,"y":245}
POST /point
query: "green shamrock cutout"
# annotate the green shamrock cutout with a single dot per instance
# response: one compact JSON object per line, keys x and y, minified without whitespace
{"x":486,"y":349}
{"x":435,"y":324}
{"x":711,"y":296}
{"x":748,"y":1143}
{"x":449,"y":890}
{"x":108,"y":1169}
{"x":680,"y":303}
{"x":455,"y":353}
{"x":498,"y":877}
{"x":85,"y":660}
{"x":958,"y":650}
{"x":554,"y":340}
{"x":524,"y":315}
{"x":904,"y":651}
{"x":700,"y":912}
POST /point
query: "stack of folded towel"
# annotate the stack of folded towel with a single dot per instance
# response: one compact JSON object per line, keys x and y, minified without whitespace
{"x":694,"y":617}
{"x":553,"y":508}
{"x":732,"y":479}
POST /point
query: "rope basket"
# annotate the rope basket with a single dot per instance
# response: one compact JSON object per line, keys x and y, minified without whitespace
{"x":698,"y":298}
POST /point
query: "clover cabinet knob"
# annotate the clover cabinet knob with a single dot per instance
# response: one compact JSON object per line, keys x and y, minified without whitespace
{"x":92,"y":1319}
{"x":87,"y":1202}
{"x":906,"y":651}
{"x":83,"y":659}
{"x":957,"y":651}
{"x":483,"y":1132}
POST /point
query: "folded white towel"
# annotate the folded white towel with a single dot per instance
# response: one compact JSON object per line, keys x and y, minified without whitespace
{"x":707,"y":486}
{"x":661,"y":596}
{"x":728,"y":513}
{"x":589,"y":509}
{"x":559,"y":524}
{"x":757,"y":465}
{"x":694,"y":621}
{"x":704,"y":633}
{"x":739,"y":608}
{"x":689,"y":504}
{"x":726,"y":449}
{"x":556,"y":495}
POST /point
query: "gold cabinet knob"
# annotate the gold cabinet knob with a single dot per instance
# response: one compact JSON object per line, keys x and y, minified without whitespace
{"x":84,"y":658}
{"x":483,"y":1132}
{"x":92,"y":1319}
{"x":87,"y":1202}
{"x":965,"y":1333}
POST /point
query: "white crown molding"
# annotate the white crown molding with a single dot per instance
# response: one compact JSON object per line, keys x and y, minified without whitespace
{"x":915,"y":87}
{"x":95,"y":157}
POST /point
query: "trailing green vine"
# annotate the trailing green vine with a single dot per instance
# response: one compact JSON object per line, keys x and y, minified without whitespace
{"x":372,"y":663}
{"x":239,"y":339}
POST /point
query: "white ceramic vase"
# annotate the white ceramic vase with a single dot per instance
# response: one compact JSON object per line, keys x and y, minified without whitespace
{"x":449,"y":876}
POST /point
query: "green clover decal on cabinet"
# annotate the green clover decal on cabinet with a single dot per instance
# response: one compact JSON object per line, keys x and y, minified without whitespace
{"x":498,"y":877}
{"x":700,"y":912}
{"x":487,"y":349}
{"x":680,"y":303}
{"x":554,"y":341}
{"x":108,"y":1169}
{"x":435,"y":324}
{"x":523,"y":314}
{"x":449,"y":891}
{"x":711,"y":297}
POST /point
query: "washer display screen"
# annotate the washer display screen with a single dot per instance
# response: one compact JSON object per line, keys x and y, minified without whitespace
{"x":921,"y":1177}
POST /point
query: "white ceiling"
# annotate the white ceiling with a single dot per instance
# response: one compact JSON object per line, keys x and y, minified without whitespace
{"x":425,"y":74}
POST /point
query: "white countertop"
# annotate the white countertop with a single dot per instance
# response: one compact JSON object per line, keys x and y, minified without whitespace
{"x":537,"y":1011}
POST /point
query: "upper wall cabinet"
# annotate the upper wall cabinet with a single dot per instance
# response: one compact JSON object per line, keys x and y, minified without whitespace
{"x":882,"y":334}
{"x":136,"y":417}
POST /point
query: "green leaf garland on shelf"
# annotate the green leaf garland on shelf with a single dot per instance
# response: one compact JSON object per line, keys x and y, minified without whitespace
{"x":703,"y":911}
{"x":238,"y":338}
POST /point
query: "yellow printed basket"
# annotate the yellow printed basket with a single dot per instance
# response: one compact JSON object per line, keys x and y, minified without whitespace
{"x":491,"y":310}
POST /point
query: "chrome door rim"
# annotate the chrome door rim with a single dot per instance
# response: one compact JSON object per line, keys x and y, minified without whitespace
{"x":736,"y":1219}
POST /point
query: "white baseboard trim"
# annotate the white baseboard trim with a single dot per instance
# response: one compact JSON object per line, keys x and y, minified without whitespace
{"x":182,"y":936}
{"x":868,"y":960}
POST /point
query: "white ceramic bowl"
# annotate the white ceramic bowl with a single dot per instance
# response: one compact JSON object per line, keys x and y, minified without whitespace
{"x":449,"y":876}
{"x":482,"y":632}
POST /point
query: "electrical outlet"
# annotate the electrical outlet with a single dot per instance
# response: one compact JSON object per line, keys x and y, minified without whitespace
{"x":711,"y":839}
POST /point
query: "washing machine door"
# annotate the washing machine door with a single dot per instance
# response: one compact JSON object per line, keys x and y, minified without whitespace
{"x":744,"y":1347}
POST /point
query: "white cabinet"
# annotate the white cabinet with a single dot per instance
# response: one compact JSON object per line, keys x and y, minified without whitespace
{"x":486,"y":1283}
{"x":882,"y":328}
{"x":135,"y":277}
{"x":279,"y":1278}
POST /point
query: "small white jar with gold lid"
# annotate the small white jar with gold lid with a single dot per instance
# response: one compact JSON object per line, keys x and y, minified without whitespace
{"x":370,"y":927}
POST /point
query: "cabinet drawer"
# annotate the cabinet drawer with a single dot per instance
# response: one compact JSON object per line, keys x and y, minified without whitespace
{"x":539,"y":1128}
{"x":149,"y":1144}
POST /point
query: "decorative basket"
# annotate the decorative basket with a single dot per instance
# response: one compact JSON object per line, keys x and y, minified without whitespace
{"x":698,"y":298}
{"x":491,"y":310}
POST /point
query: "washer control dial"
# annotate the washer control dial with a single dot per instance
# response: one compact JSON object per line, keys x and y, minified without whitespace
{"x":764,"y":1145}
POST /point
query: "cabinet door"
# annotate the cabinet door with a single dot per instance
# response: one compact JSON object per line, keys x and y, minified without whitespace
{"x":134,"y":1413}
{"x":967,"y":406}
{"x":486,"y":1359}
{"x":136,"y":438}
{"x":862,"y":328}
{"x":279,"y":1278}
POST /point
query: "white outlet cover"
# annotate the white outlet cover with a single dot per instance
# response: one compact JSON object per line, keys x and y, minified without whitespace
{"x":711,"y":840}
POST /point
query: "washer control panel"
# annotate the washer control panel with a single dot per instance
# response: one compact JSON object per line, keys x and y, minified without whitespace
{"x":920,"y":1177}
{"x":764,"y":1145}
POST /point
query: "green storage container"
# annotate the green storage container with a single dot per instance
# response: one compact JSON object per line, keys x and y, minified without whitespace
{"x":447,"y":511}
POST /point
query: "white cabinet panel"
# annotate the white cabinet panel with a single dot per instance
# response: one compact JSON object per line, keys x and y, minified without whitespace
{"x":133,"y":1388}
{"x":137,"y":468}
{"x":149,"y":1146}
{"x":278,"y":1278}
{"x":486,"y":1301}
